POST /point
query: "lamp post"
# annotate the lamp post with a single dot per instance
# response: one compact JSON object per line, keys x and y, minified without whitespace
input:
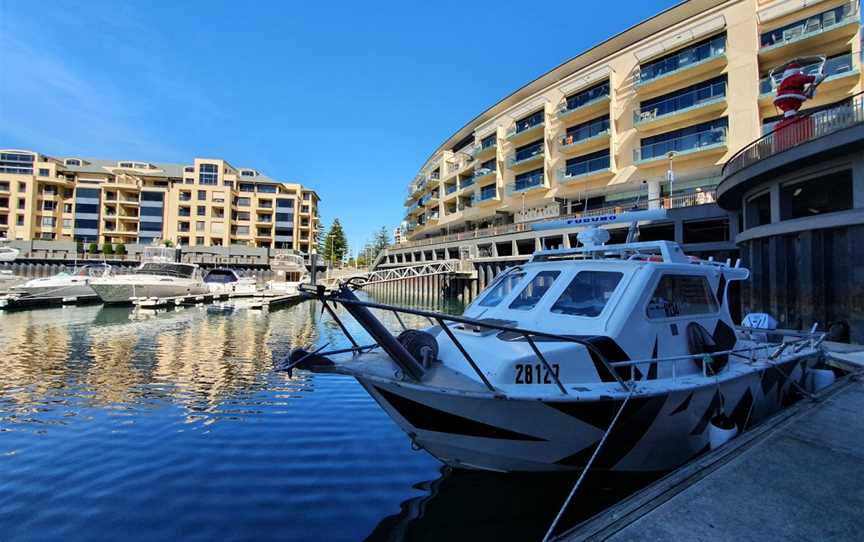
{"x":670,"y":176}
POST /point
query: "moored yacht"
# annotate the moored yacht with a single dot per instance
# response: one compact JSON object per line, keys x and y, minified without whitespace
{"x":290,"y":270}
{"x":630,"y":347}
{"x":65,"y":284}
{"x":8,"y":254}
{"x":159,"y":275}
{"x":222,"y":281}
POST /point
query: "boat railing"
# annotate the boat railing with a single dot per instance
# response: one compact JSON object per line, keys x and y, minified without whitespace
{"x":623,"y":372}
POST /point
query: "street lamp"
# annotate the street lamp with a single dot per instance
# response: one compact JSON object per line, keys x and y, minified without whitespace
{"x":670,"y":175}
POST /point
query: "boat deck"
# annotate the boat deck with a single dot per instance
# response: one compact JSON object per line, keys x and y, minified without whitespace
{"x":795,"y":477}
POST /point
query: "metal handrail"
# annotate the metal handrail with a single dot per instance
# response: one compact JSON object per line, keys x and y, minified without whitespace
{"x":823,"y":123}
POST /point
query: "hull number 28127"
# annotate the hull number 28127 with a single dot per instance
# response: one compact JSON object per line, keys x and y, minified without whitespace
{"x":534,"y":373}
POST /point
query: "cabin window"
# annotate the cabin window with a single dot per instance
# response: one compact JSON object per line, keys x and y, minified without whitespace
{"x":588,"y":293}
{"x":534,"y":291}
{"x":681,"y":295}
{"x":502,"y":289}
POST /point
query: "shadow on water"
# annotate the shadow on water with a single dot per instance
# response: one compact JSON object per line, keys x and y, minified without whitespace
{"x":475,"y":505}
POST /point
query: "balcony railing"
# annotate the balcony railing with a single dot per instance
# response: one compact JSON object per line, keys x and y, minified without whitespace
{"x":674,"y":202}
{"x":524,"y":126}
{"x":565,"y":108}
{"x":525,"y":157}
{"x":809,"y":27}
{"x":486,"y":195}
{"x":583,"y":137}
{"x":483,"y":173}
{"x":525,"y":183}
{"x":808,"y":128}
{"x":582,"y":169}
{"x":686,"y":144}
{"x":689,"y":100}
{"x":466,"y":182}
{"x":838,"y":65}
{"x":687,"y":58}
{"x":480,"y":147}
{"x":451,"y":188}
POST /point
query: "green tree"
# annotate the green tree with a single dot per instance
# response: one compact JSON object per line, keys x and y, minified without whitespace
{"x":168,"y":243}
{"x":107,"y":249}
{"x":380,"y":241}
{"x":335,"y":244}
{"x":120,"y":249}
{"x":93,"y":248}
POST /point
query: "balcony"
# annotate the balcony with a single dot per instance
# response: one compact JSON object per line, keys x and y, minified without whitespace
{"x":841,"y":72}
{"x":467,"y":182}
{"x":588,"y":170}
{"x":686,"y":107}
{"x":450,"y":189}
{"x":822,"y":32}
{"x":486,"y":196}
{"x":585,"y":110}
{"x":484,"y":174}
{"x":684,"y":147}
{"x":525,"y":130}
{"x":571,"y":144}
{"x":691,"y":62}
{"x":483,"y":151}
{"x":522,"y":160}
{"x":527,"y":184}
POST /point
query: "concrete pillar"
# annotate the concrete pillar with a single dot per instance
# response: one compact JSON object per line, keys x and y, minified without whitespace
{"x":653,"y":194}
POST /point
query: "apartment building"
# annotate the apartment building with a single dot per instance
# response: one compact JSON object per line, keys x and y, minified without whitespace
{"x":206,"y":203}
{"x":679,"y":92}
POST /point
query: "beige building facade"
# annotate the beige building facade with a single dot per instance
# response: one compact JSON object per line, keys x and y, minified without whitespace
{"x":208,"y":202}
{"x":682,"y":91}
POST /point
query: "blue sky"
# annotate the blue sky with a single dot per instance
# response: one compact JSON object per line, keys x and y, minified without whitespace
{"x":349,"y":98}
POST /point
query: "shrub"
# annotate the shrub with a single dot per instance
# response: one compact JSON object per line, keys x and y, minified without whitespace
{"x":93,"y":248}
{"x":120,"y":249}
{"x":107,"y":249}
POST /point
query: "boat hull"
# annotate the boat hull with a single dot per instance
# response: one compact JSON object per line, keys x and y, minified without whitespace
{"x":123,"y":292}
{"x":656,"y":431}
{"x":55,"y":290}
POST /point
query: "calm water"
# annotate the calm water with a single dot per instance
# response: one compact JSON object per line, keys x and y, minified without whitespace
{"x":121,"y":425}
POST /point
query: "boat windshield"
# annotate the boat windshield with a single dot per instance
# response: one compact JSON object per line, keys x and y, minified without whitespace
{"x":502,"y":289}
{"x":220,"y":276}
{"x":534,"y":291}
{"x":166,"y":269}
{"x":588,"y":293}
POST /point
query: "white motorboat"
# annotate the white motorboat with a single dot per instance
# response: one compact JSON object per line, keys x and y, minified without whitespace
{"x":290,"y":270}
{"x":65,"y":284}
{"x":9,"y":280}
{"x":630,"y":347}
{"x":8,"y":254}
{"x":159,"y":275}
{"x":227,"y":281}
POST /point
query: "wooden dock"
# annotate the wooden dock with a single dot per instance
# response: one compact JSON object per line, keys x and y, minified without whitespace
{"x":796,"y":476}
{"x":255,"y":301}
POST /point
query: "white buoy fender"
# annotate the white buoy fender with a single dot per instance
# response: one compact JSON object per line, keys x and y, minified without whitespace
{"x":721,"y":430}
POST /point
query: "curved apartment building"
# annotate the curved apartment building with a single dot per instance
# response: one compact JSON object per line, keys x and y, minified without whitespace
{"x":682,"y":91}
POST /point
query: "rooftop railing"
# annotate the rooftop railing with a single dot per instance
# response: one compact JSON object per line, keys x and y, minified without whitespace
{"x":811,"y":26}
{"x":524,"y":126}
{"x":569,"y":106}
{"x":807,"y":128}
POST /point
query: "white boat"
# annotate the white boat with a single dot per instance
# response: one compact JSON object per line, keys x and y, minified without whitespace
{"x":65,"y":284}
{"x":225,"y":281}
{"x":159,"y":275}
{"x":290,"y":270}
{"x":8,"y":254}
{"x":630,"y":347}
{"x":9,"y":280}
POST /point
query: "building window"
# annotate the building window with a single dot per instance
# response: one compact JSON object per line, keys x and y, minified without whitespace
{"x":49,"y":205}
{"x":242,"y":202}
{"x":586,"y":130}
{"x":48,"y":222}
{"x":184,"y":211}
{"x":208,"y":174}
{"x":183,"y":226}
{"x":693,"y":54}
{"x":229,"y":184}
{"x":199,"y":240}
{"x":67,"y":192}
{"x":686,"y":139}
{"x":19,"y":220}
{"x":527,"y":151}
{"x":529,"y":179}
{"x":68,"y":223}
{"x":4,"y":186}
{"x":691,"y":96}
{"x":247,"y":187}
{"x":72,"y":162}
{"x":21,"y":204}
{"x":304,"y":209}
{"x":827,"y":194}
{"x":588,"y":95}
{"x":185,"y":196}
{"x":757,"y":211}
{"x":248,"y":173}
{"x":307,"y":196}
{"x":241,"y":215}
{"x":200,"y":226}
{"x":189,"y":169}
{"x":202,"y":195}
{"x":489,"y":141}
{"x":22,"y":187}
{"x":67,"y":207}
{"x":267,"y":188}
{"x":201,"y":210}
{"x":16,"y":163}
{"x":187,"y":180}
{"x":240,"y":230}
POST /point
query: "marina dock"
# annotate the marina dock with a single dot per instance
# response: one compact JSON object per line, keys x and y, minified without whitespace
{"x":795,"y":477}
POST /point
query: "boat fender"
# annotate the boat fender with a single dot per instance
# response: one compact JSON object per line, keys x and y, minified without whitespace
{"x":721,"y":430}
{"x":820,"y":377}
{"x":311,"y":363}
{"x":423,"y":346}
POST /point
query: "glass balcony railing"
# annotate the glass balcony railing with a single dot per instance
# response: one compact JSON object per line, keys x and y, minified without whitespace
{"x":811,"y":26}
{"x":483,"y":173}
{"x":582,"y":169}
{"x":699,"y":141}
{"x":525,"y":183}
{"x":450,"y":188}
{"x":686,"y":58}
{"x":584,"y":135}
{"x":480,"y":147}
{"x":525,"y":126}
{"x":572,"y":105}
{"x":526,"y":156}
{"x":486,"y":195}
{"x":833,"y":66}
{"x":676,"y":104}
{"x":465,"y":183}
